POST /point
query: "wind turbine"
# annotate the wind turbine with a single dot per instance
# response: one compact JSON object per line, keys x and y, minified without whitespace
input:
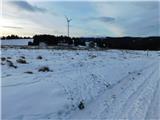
{"x":68,"y":21}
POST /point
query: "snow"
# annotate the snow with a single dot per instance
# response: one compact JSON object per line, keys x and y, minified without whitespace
{"x":16,"y":41}
{"x":112,"y":84}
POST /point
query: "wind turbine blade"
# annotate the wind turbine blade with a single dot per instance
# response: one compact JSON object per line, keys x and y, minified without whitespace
{"x":66,"y":17}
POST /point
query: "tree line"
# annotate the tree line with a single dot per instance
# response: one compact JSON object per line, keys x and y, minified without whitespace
{"x":13,"y":37}
{"x":134,"y":43}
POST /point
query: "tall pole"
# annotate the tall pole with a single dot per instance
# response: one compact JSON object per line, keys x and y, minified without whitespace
{"x":68,"y":28}
{"x":68,"y":21}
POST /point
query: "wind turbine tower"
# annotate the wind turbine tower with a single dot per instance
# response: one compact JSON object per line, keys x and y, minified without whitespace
{"x":68,"y":21}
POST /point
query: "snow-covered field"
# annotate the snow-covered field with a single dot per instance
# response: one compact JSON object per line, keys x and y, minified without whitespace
{"x":86,"y":85}
{"x":16,"y":42}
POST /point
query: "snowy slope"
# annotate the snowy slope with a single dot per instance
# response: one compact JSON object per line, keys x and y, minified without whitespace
{"x":16,"y":42}
{"x":111,"y":84}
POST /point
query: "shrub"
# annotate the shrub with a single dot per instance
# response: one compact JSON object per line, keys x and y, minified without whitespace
{"x":10,"y":64}
{"x":138,"y":73}
{"x":81,"y":105}
{"x":22,"y":57}
{"x":8,"y":57}
{"x":29,"y":72}
{"x":3,"y":58}
{"x":39,"y":57}
{"x":92,"y":56}
{"x":21,"y":61}
{"x":44,"y":69}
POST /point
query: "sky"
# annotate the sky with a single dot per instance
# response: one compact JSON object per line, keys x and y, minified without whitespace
{"x":89,"y":18}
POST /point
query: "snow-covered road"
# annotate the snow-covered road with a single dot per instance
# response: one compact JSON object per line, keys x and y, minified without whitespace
{"x":111,"y":84}
{"x":131,"y":97}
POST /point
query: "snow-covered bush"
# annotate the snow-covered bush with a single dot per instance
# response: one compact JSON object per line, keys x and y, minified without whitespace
{"x":21,"y":61}
{"x":8,"y":57}
{"x":81,"y":105}
{"x":3,"y":58}
{"x":92,"y":56}
{"x":10,"y":64}
{"x":44,"y":69}
{"x":39,"y":57}
{"x":29,"y":72}
{"x":22,"y":57}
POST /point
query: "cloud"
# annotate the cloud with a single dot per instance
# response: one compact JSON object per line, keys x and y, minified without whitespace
{"x":134,"y":18}
{"x":90,"y":18}
{"x":12,"y":27}
{"x":103,"y":19}
{"x":23,"y":5}
{"x":106,"y":19}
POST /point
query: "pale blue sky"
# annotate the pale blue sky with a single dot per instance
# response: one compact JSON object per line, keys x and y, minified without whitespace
{"x":89,"y":18}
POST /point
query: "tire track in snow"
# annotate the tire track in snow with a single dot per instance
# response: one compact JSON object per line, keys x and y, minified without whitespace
{"x":132,"y":105}
{"x":115,"y":106}
{"x":136,"y":71}
{"x":20,"y":84}
{"x":112,"y":88}
{"x":23,"y":83}
{"x":154,"y":107}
